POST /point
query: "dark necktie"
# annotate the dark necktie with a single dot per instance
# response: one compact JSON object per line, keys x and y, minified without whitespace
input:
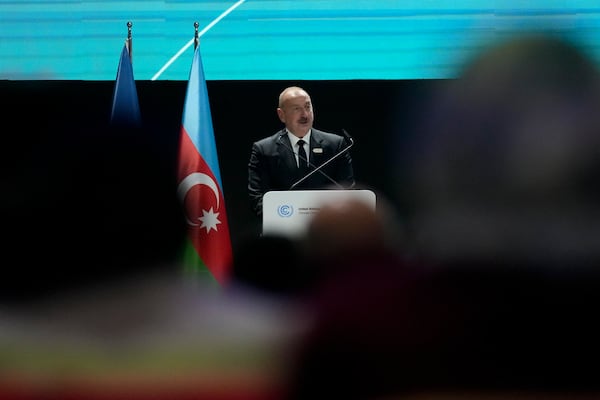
{"x":302,"y":159}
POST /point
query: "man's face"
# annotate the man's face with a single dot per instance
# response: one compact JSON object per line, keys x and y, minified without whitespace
{"x":297,"y":113}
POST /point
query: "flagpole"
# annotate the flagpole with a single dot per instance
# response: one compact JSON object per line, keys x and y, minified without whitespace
{"x":129,"y":41}
{"x":196,"y":40}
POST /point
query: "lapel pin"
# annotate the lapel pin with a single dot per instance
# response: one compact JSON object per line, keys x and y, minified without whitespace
{"x":317,"y":150}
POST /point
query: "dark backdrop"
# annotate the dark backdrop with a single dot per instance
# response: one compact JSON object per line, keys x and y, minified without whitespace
{"x":378,"y":114}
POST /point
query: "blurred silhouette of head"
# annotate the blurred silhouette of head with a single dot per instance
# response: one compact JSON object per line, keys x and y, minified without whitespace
{"x":350,"y":227}
{"x":506,"y":162}
{"x":349,"y":234}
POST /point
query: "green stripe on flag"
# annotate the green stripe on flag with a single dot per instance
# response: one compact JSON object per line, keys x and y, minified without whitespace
{"x":194,"y":267}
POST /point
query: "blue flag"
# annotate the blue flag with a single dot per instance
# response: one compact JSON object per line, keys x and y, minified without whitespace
{"x":125,"y":105}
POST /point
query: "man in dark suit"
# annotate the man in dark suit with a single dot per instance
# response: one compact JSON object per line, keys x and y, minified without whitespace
{"x":287,"y":159}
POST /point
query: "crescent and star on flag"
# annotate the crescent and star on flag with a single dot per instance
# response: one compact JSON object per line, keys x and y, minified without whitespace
{"x":209,"y":218}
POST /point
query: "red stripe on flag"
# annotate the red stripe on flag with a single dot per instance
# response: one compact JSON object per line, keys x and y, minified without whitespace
{"x":205,"y":210}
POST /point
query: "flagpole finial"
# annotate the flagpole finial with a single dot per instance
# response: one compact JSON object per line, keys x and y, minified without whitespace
{"x":129,"y":40}
{"x":196,"y":40}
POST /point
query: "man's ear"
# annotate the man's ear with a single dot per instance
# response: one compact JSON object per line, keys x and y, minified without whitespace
{"x":281,"y":114}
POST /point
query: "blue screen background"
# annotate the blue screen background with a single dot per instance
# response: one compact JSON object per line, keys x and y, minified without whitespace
{"x":273,"y":39}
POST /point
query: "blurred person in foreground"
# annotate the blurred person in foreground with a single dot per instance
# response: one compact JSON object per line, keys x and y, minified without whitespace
{"x":95,"y":304}
{"x":360,"y":275}
{"x":347,"y":235}
{"x":504,"y":165}
{"x":505,"y":211}
{"x":278,"y":162}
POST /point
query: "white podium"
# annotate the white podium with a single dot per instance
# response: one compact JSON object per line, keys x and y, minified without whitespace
{"x":288,"y":212}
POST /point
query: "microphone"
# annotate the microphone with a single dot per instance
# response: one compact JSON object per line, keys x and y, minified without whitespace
{"x":348,"y":137}
{"x":320,"y":167}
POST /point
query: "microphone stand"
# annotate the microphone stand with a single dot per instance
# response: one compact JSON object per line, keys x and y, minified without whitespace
{"x":318,"y":169}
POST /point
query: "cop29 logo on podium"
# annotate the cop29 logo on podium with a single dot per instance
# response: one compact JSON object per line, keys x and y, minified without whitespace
{"x":285,"y":210}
